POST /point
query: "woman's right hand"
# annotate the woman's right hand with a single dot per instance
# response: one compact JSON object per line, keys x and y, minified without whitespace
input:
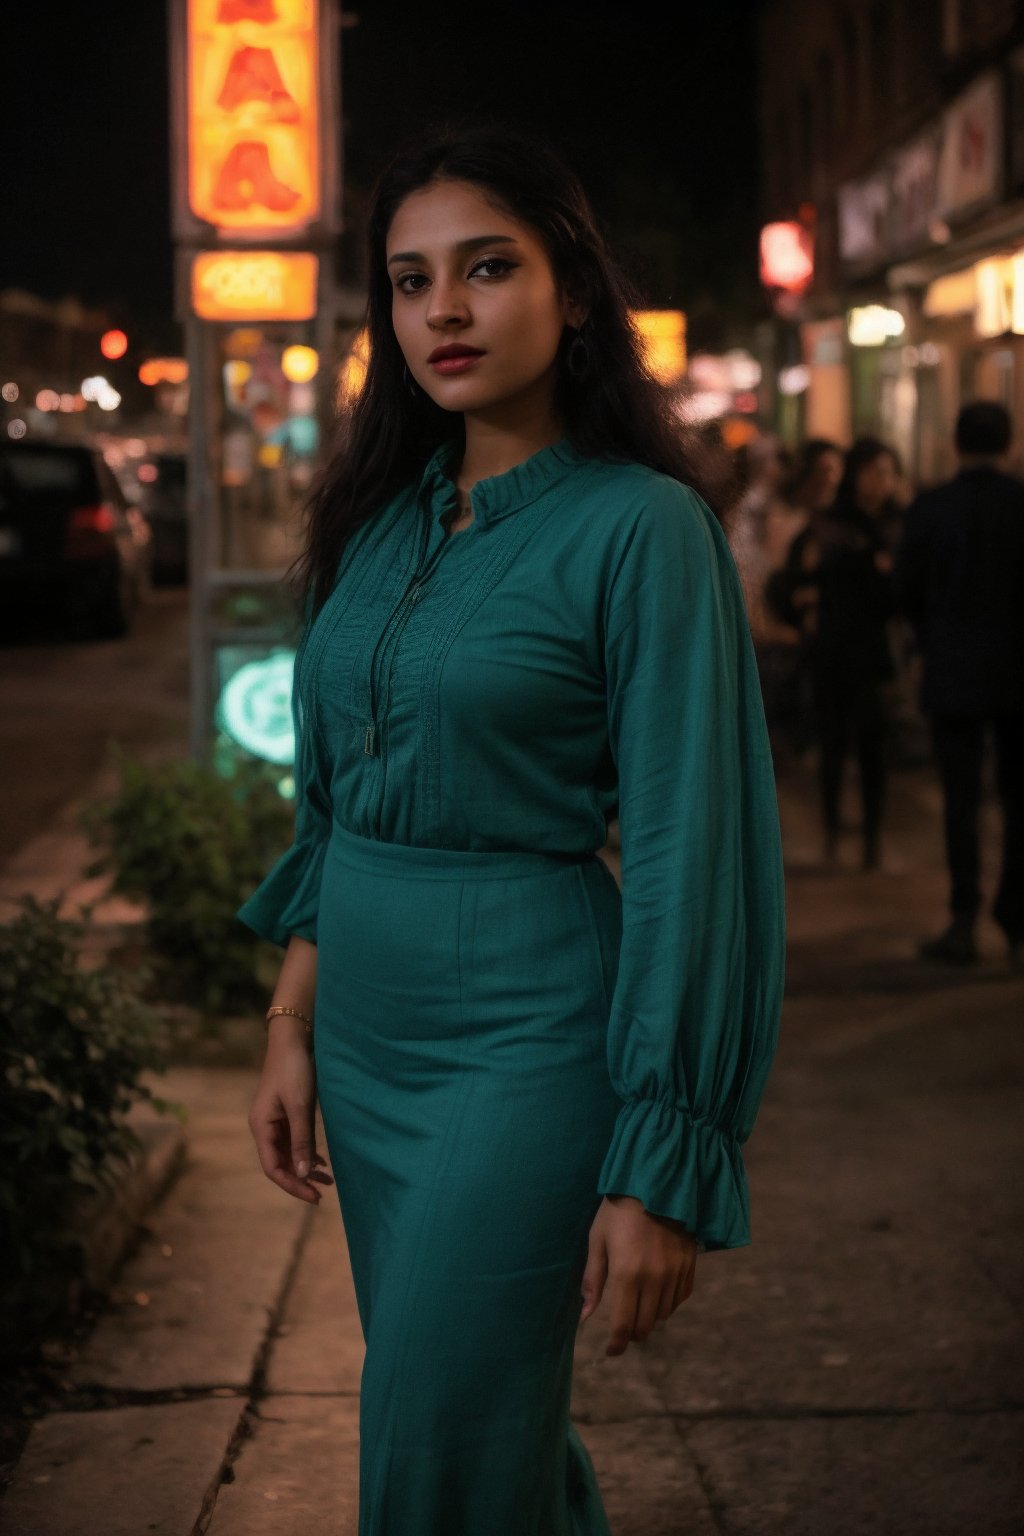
{"x":282,"y":1115}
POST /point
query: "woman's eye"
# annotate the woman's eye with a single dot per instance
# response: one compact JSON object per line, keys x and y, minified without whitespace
{"x":409,"y":277}
{"x":497,"y":262}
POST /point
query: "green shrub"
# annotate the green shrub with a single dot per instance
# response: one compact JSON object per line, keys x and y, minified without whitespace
{"x":192,"y":845}
{"x":73,"y":1043}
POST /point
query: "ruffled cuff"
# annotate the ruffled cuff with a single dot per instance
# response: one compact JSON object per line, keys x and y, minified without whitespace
{"x":288,"y":900}
{"x":690,"y":1171}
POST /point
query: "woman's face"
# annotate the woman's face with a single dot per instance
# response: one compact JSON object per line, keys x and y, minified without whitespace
{"x":876,"y":483}
{"x":467,"y":276}
{"x":823,"y":480}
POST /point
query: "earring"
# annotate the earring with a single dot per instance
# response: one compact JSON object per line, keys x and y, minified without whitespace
{"x":578,"y":358}
{"x":410,"y":386}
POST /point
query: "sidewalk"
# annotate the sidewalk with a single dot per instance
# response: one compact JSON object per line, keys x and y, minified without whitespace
{"x":857,"y":1371}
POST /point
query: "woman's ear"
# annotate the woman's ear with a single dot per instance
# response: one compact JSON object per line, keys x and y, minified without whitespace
{"x":575,"y":311}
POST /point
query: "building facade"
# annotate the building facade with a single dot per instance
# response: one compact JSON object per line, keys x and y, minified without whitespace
{"x":894,"y":130}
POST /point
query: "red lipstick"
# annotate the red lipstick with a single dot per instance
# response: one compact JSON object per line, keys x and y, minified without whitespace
{"x":453,"y":358}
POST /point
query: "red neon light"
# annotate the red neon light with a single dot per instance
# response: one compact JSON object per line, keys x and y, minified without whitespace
{"x":787,"y":257}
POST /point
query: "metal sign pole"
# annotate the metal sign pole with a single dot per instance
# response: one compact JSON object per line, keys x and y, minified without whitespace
{"x":255,"y":232}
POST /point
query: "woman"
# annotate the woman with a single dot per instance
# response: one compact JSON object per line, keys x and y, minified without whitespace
{"x":840,"y":591}
{"x":520,"y":618}
{"x":760,"y":545}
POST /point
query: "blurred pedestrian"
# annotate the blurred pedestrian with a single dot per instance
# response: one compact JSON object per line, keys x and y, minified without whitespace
{"x":838,"y":589}
{"x":521,"y":617}
{"x":750,"y":526}
{"x":806,"y":492}
{"x":815,"y":478}
{"x":961,"y":582}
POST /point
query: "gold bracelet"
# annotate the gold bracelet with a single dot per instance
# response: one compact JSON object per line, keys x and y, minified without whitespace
{"x":293,"y":1013}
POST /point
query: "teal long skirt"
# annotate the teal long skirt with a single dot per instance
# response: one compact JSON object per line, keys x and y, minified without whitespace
{"x":461,"y":1014}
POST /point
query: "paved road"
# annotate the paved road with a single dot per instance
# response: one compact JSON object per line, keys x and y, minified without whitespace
{"x":62,"y":700}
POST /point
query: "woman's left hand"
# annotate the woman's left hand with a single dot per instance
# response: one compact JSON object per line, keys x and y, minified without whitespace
{"x":648,"y":1262}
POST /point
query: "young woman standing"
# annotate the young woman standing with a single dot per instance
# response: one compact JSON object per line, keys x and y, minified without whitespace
{"x":521,"y":619}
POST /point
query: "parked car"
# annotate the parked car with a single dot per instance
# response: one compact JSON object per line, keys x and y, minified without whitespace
{"x":69,"y":535}
{"x":164,"y":504}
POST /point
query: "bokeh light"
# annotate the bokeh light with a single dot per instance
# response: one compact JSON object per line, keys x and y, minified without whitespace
{"x":113,"y":344}
{"x":299,"y":364}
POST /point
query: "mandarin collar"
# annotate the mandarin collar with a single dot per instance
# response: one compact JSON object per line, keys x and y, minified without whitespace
{"x":498,"y":495}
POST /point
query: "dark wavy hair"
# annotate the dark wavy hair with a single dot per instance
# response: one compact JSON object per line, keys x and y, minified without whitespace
{"x":616,"y":411}
{"x":862,"y":453}
{"x":806,"y":462}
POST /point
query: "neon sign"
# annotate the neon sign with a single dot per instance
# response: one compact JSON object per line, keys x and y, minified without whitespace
{"x":254,"y":285}
{"x":255,"y":707}
{"x":253,"y":158}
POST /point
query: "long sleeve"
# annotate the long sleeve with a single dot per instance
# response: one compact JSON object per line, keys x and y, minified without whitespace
{"x":694,"y":1017}
{"x":287,"y":901}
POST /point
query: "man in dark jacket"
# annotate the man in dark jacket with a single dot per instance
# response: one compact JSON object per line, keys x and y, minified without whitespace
{"x":960,"y":576}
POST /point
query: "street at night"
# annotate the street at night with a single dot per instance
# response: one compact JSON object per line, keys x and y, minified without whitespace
{"x":512,"y":837}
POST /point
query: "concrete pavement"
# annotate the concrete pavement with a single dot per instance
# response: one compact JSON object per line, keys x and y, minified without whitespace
{"x":857,"y":1371}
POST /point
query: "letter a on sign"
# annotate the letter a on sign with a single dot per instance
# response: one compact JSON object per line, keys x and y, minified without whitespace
{"x":253,"y":160}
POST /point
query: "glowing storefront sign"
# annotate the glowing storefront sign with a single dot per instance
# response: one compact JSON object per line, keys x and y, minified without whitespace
{"x":253,"y":159}
{"x":970,"y":163}
{"x":992,"y":314}
{"x":163,"y":370}
{"x":872,"y":325}
{"x":254,"y":285}
{"x":992,"y":291}
{"x":255,"y":707}
{"x":954,"y":294}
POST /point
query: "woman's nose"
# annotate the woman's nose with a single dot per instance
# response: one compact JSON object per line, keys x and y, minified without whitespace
{"x":447,"y":306}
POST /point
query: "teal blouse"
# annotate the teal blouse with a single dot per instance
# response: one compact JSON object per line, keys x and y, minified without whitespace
{"x":580,"y":650}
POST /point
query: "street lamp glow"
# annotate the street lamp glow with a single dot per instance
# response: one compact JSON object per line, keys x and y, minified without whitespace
{"x":794,"y":380}
{"x":101,"y":392}
{"x":299,"y":364}
{"x":113,"y":344}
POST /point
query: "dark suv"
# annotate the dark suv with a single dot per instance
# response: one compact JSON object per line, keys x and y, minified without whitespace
{"x":68,"y":534}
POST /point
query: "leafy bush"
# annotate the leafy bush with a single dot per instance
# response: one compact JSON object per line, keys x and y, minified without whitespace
{"x":192,"y":845}
{"x":73,"y":1043}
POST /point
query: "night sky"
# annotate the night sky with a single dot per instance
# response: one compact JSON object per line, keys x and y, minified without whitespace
{"x":658,"y":116}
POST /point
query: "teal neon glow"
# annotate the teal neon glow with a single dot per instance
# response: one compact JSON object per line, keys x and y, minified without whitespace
{"x":255,"y":707}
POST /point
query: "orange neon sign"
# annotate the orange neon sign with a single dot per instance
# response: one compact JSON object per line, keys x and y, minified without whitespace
{"x":254,"y":285}
{"x":163,"y":370}
{"x":253,"y":159}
